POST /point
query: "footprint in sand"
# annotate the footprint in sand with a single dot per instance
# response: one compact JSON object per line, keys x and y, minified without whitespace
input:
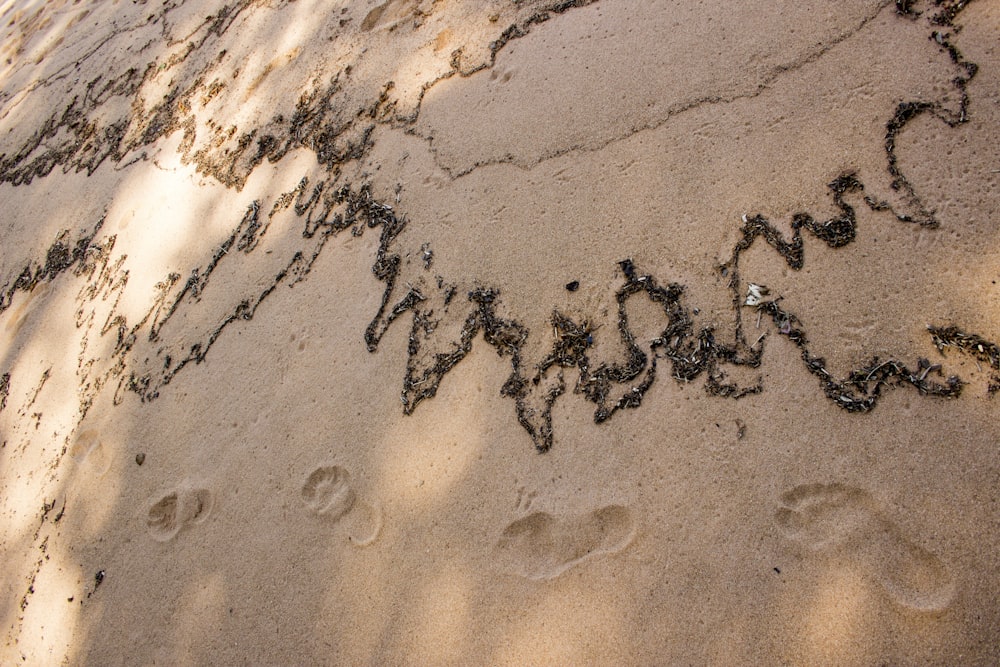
{"x":329,"y":495}
{"x":89,"y":449}
{"x":541,"y":546}
{"x":178,"y":509}
{"x":828,"y":517}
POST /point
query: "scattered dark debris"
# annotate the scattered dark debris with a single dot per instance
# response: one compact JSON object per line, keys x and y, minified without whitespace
{"x":140,"y":458}
{"x":741,"y":429}
{"x":905,"y":8}
{"x":4,"y":387}
{"x":61,"y":256}
{"x":99,"y":577}
{"x":861,"y":389}
{"x":573,"y":285}
{"x":43,"y":550}
{"x":946,"y":338}
{"x":75,"y":137}
{"x":690,"y":350}
{"x":47,"y":507}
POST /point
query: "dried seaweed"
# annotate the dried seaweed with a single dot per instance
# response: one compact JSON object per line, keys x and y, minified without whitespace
{"x":332,"y":206}
{"x":946,"y":338}
{"x":4,"y":390}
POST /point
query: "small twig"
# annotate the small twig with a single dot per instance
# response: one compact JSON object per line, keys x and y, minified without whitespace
{"x":886,"y":363}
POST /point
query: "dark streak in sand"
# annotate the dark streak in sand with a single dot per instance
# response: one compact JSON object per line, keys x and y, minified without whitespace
{"x":332,"y":206}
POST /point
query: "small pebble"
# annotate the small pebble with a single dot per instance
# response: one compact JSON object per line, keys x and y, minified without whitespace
{"x":573,"y":286}
{"x":140,"y":458}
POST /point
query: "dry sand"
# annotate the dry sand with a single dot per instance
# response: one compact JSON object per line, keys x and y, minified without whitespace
{"x":416,"y":332}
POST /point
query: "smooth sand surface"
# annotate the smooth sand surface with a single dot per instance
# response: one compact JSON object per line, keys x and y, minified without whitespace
{"x":533,"y":332}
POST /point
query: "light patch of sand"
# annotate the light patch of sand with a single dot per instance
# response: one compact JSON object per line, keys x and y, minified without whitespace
{"x":293,"y":293}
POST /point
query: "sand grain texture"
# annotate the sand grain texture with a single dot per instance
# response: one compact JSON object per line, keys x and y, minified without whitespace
{"x":416,"y":332}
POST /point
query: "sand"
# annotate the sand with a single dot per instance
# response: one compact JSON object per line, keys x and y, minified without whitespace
{"x":535,"y":332}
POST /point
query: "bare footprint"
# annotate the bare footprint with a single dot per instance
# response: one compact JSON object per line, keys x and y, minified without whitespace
{"x":328,"y":492}
{"x":827,"y":517}
{"x":178,"y":509}
{"x":329,"y":495}
{"x":540,"y":546}
{"x":89,"y":449}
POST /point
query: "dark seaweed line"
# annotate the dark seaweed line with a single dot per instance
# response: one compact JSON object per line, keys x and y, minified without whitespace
{"x":690,"y":353}
{"x":317,"y":123}
{"x":310,"y":126}
{"x":323,"y":220}
{"x":90,"y":145}
{"x":4,"y":390}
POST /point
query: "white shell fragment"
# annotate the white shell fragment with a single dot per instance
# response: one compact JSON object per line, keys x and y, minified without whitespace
{"x":755,"y":294}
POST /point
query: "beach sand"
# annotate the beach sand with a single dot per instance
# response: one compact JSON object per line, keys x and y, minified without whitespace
{"x":533,"y":332}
